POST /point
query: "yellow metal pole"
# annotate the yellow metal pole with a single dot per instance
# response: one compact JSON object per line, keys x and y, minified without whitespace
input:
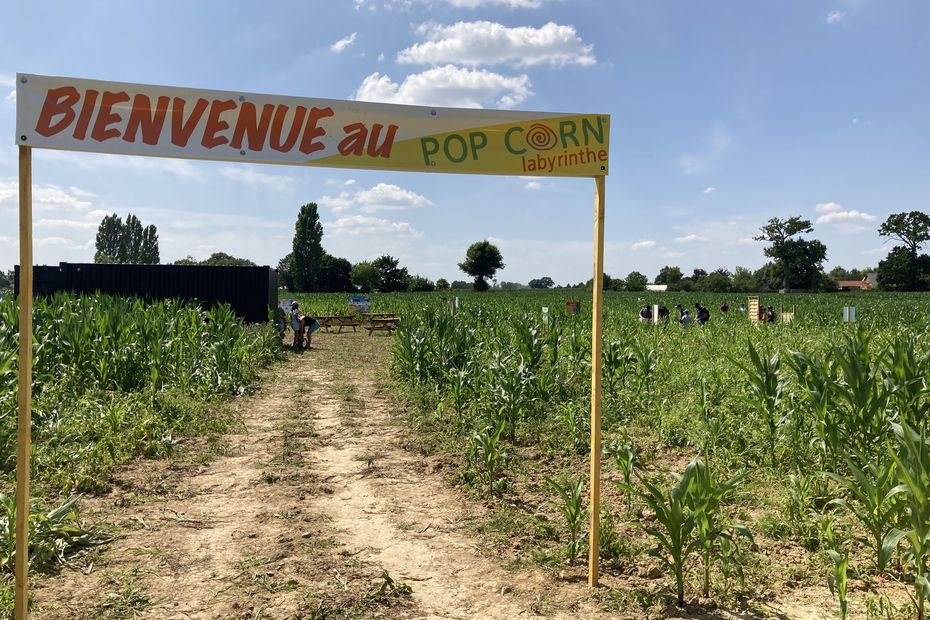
{"x":23,"y":439}
{"x":596,"y":330}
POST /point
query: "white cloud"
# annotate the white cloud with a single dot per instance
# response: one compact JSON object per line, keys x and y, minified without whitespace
{"x":448,"y":86}
{"x":828,"y":207}
{"x":718,"y":141}
{"x":373,"y":226}
{"x":381,"y":57}
{"x":709,"y":190}
{"x":180,"y":168}
{"x":689,"y":238}
{"x":835,"y":16}
{"x":491,"y":43}
{"x":852,"y":215}
{"x":381,"y":197}
{"x":534,"y":185}
{"x":342,"y":44}
{"x":643,"y":245}
{"x":250,"y":175}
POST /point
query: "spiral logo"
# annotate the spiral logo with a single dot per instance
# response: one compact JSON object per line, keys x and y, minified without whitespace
{"x":541,"y":137}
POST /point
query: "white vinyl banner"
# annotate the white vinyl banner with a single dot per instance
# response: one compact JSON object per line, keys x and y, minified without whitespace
{"x":165,"y":121}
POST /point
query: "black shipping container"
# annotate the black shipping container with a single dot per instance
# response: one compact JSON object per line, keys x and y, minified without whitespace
{"x":251,"y":291}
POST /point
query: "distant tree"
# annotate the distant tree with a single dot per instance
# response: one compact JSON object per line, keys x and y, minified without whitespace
{"x":6,"y":280}
{"x":608,"y":284}
{"x":743,"y":281}
{"x":543,"y":282}
{"x":286,"y":272}
{"x":391,"y":277}
{"x":442,"y":284}
{"x":511,"y":286}
{"x":482,"y":260}
{"x":903,"y":270}
{"x":128,"y":242}
{"x":420,"y":284}
{"x":187,"y":260}
{"x":800,"y":260}
{"x":222,"y":258}
{"x":912,"y":229}
{"x":364,"y":275}
{"x":720,"y":281}
{"x":335,"y":274}
{"x":306,"y":264}
{"x":697,"y":274}
{"x":460,"y":285}
{"x":635,"y":281}
{"x":668,"y":275}
{"x":827,"y":284}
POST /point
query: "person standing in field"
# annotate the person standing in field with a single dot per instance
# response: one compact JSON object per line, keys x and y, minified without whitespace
{"x":663,"y":313}
{"x":645,"y":314}
{"x":684,"y":318}
{"x":703,"y":314}
{"x":770,"y":314}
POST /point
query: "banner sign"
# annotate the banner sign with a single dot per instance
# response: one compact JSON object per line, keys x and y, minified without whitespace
{"x":165,"y":121}
{"x":359,"y":303}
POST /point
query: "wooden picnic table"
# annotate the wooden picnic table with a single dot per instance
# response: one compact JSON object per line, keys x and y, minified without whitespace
{"x":387,"y":324}
{"x":338,"y":320}
{"x":380,"y":315}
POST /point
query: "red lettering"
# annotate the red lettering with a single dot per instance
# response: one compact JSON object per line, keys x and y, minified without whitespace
{"x":354,"y":142}
{"x":181,"y":130}
{"x":308,"y":143}
{"x":141,"y":116}
{"x":58,"y":101}
{"x":246,"y":125}
{"x":215,"y":125}
{"x":87,"y":111}
{"x":278,"y":124}
{"x":106,"y":117}
{"x":385,"y":149}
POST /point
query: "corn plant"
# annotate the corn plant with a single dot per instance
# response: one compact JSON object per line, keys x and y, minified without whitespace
{"x":572,"y":507}
{"x":491,"y":456}
{"x":912,"y":460}
{"x":673,"y":528}
{"x":621,"y":452}
{"x":577,"y":426}
{"x":838,"y":578}
{"x":765,"y":393}
{"x":875,"y":503}
{"x":705,"y":497}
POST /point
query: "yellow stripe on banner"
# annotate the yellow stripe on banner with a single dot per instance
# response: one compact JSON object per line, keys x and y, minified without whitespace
{"x":570,"y":146}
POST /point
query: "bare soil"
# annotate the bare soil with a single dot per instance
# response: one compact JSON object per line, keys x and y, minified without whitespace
{"x":317,"y":508}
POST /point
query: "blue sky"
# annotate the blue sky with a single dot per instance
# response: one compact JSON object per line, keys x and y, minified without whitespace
{"x":724,"y":114}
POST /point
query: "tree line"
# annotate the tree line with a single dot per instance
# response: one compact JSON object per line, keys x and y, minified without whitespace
{"x":796,"y":262}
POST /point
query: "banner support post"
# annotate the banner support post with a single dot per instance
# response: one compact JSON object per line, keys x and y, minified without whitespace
{"x":24,"y":421}
{"x":597,"y":312}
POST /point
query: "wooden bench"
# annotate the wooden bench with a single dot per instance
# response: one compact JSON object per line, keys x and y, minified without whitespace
{"x":340,"y":321}
{"x":388,"y":325}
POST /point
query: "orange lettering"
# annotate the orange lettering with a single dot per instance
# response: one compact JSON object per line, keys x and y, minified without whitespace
{"x":106,"y":117}
{"x":385,"y":149}
{"x":58,"y":101}
{"x":246,"y":125}
{"x":215,"y":125}
{"x":354,"y":142}
{"x":181,"y":130}
{"x":308,"y":143}
{"x":87,"y":110}
{"x":278,"y":124}
{"x":141,"y":117}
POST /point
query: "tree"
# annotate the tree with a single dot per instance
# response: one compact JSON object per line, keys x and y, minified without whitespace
{"x":222,"y":258}
{"x":6,"y":280}
{"x":460,"y":285}
{"x":306,"y":264}
{"x":743,"y":281}
{"x":420,"y":284}
{"x":543,"y":282}
{"x":720,"y":281}
{"x":902,"y":270}
{"x":126,"y":243}
{"x":912,"y":229}
{"x":800,"y":260}
{"x":391,"y":277}
{"x":285,"y":272}
{"x":442,"y":284}
{"x":635,"y":281}
{"x":668,"y":275}
{"x":335,"y":274}
{"x":482,"y":260}
{"x":364,"y":275}
{"x":697,"y":274}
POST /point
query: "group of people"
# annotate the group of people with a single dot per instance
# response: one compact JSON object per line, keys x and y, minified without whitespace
{"x":701,"y":317}
{"x":303,"y":325}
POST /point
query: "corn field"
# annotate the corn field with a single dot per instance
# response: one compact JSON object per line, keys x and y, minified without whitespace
{"x":811,"y":433}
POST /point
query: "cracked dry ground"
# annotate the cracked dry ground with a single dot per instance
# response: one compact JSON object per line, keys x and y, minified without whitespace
{"x":302,"y":513}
